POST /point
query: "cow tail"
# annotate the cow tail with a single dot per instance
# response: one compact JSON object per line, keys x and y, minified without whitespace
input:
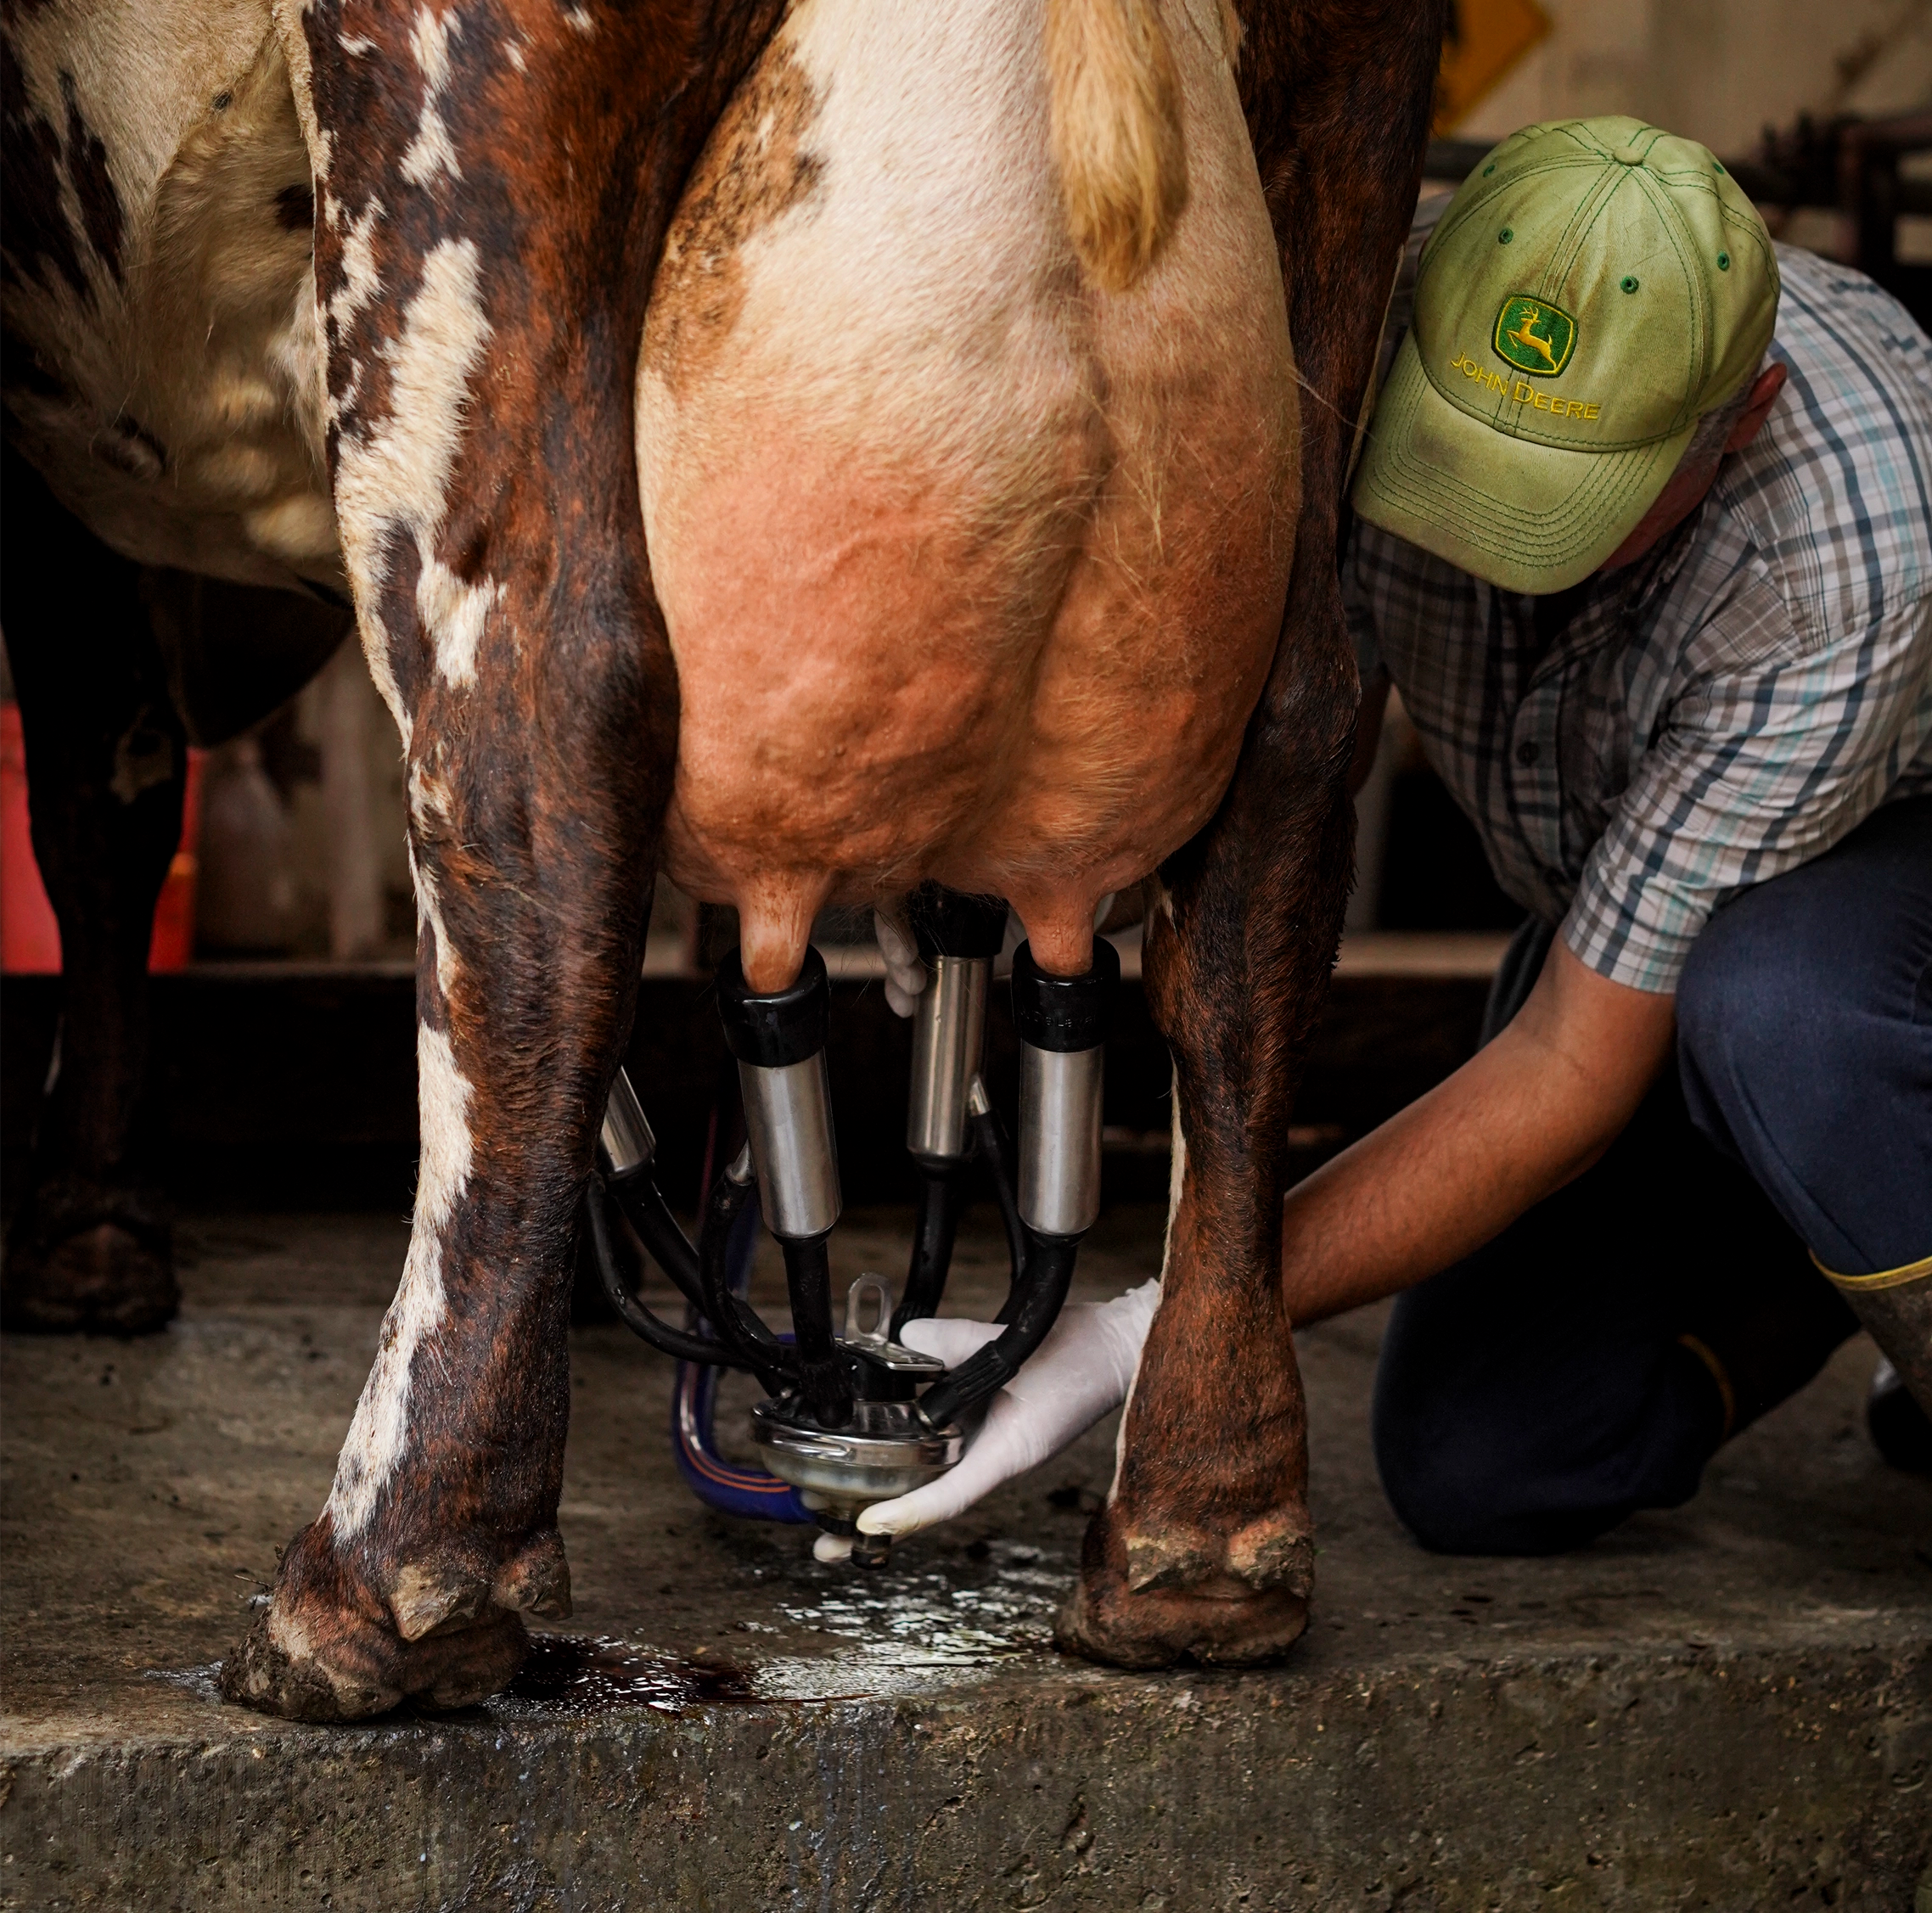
{"x":1117,"y":133}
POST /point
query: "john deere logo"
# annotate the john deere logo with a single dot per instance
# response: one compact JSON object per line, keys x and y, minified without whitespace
{"x":1534,"y":336}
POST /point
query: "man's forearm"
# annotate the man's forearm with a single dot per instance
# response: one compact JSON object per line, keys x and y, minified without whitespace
{"x":1534,"y":1109}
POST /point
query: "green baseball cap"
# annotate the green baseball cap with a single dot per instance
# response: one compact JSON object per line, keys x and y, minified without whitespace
{"x":1594,"y":288}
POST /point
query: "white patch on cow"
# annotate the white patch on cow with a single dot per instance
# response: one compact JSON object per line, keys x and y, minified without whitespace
{"x":578,"y":19}
{"x":453,"y":614}
{"x":300,"y":529}
{"x":1176,"y":1176}
{"x":431,"y":151}
{"x":188,"y":428}
{"x":355,"y":45}
{"x":379,"y":1430}
{"x":430,"y":905}
{"x":429,"y":801}
{"x":513,"y":53}
{"x":293,"y":38}
{"x":394,"y":479}
{"x":428,"y":810}
{"x":382,"y":672}
{"x":362,"y":284}
{"x":1176,"y":1171}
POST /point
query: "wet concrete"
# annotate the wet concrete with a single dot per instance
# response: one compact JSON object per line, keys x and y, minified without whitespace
{"x":1728,"y":1706}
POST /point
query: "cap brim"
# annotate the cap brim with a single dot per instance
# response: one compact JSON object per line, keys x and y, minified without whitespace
{"x":1525,"y":516}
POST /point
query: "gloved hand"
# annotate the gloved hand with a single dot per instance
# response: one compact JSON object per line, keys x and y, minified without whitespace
{"x":904,"y":973}
{"x":1081,"y":1371}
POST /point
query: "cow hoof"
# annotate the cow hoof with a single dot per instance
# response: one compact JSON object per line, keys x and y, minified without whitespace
{"x":355,"y":1672}
{"x":1149,"y":1597}
{"x":103,"y":1280}
{"x":324,"y":1649}
{"x":1149,"y":1630}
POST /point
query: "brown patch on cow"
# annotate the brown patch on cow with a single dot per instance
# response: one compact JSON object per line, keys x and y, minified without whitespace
{"x":294,"y":208}
{"x":755,"y":169}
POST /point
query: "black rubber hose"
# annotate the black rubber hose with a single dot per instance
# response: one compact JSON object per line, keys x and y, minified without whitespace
{"x":824,"y":1375}
{"x":942,"y":1199}
{"x":1038,"y":1301}
{"x":989,"y":1136}
{"x":636,"y":1317}
{"x":643,"y":1207}
{"x":735,"y":1321}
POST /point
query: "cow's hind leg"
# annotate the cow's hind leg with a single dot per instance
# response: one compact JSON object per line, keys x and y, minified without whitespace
{"x":506,"y":187}
{"x":89,"y":1248}
{"x":1203,"y":1547}
{"x":536,"y":798}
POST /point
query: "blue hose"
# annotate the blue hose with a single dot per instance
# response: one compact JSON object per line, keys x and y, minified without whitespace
{"x":749,"y":1493}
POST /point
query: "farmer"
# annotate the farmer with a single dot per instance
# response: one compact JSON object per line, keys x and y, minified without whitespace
{"x":1644,"y":543}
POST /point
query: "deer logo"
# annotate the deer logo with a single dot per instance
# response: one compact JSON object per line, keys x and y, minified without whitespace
{"x":1534,"y":336}
{"x":1532,"y":341}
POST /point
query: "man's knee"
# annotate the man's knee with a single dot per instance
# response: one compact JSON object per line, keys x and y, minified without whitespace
{"x":1750,"y":1016}
{"x":1463,"y":1473}
{"x":1770,"y":1029}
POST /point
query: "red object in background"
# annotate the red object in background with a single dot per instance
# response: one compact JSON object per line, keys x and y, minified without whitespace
{"x":29,"y":938}
{"x":174,"y":941}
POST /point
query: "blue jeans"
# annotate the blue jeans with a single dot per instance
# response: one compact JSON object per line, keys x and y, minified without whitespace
{"x":1593,"y":1358}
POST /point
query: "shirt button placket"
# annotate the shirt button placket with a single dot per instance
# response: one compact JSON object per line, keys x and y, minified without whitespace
{"x":1538,"y":798}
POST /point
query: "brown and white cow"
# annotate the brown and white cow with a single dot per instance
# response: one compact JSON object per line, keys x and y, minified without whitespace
{"x":805,"y":449}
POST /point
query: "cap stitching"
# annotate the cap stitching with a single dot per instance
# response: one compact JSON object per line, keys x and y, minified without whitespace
{"x":1703,"y":314}
{"x":1458,"y":217}
{"x":1409,"y":481}
{"x":1603,"y":192}
{"x":1417,"y":488}
{"x":1576,"y":229}
{"x":1502,"y":415}
{"x":1518,"y":535}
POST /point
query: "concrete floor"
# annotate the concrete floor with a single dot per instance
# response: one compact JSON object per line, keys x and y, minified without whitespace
{"x":1726,"y":1706}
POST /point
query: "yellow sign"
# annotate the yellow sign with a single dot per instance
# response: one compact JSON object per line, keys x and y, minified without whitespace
{"x":1486,"y":38}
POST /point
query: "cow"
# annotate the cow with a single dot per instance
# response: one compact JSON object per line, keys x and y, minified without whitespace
{"x":807,"y":450}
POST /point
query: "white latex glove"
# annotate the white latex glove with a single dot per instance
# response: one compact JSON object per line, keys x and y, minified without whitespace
{"x":905,"y":974}
{"x":1081,"y":1371}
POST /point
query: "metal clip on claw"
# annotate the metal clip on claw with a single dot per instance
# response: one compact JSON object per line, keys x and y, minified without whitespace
{"x":845,"y":1424}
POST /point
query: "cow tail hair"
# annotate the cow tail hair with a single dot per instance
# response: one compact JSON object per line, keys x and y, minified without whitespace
{"x":1116,"y":133}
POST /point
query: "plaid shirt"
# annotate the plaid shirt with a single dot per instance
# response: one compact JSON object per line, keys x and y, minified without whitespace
{"x":1636,"y":752}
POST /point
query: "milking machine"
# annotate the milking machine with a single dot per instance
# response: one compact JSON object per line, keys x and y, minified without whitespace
{"x":852,"y":1416}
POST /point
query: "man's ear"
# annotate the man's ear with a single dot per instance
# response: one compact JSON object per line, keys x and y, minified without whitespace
{"x":1765,"y":389}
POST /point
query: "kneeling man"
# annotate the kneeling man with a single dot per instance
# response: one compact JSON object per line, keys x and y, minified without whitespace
{"x":1644,"y":542}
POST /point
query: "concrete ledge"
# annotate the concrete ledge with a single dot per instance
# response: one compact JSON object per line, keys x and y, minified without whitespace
{"x":1726,"y":1706}
{"x":1640,"y":1780}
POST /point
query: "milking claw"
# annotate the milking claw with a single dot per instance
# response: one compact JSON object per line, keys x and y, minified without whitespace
{"x":853,"y":1416}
